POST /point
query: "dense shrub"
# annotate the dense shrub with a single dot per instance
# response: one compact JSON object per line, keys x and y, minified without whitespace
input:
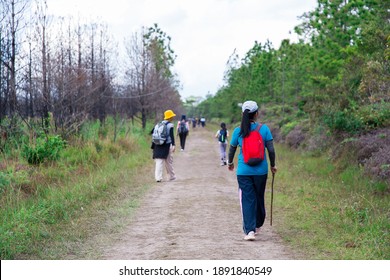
{"x":45,"y":148}
{"x":374,"y":115}
{"x":364,"y":118}
{"x":343,"y":121}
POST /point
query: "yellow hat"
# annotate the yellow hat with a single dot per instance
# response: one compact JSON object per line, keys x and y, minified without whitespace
{"x":168,"y":114}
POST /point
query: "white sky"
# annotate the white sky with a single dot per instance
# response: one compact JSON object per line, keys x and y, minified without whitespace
{"x":204,"y":32}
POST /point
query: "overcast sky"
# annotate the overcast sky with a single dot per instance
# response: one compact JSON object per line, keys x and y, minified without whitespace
{"x":204,"y":32}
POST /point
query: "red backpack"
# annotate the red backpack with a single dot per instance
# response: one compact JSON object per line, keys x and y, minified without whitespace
{"x":253,"y":147}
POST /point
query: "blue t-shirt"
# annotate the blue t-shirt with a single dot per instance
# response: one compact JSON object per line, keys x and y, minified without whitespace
{"x":243,"y":168}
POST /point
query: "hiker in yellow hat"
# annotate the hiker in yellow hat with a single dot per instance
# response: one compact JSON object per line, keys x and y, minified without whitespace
{"x":169,"y":115}
{"x":163,"y":145}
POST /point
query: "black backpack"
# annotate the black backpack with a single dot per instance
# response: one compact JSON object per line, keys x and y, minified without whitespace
{"x":222,"y":135}
{"x":183,"y":127}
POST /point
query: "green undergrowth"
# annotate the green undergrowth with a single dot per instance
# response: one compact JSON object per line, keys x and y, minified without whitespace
{"x":47,"y":203}
{"x":328,"y":213}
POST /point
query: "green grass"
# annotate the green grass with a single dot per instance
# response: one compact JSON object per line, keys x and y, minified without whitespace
{"x":327,"y":214}
{"x":52,"y":210}
{"x":45,"y":208}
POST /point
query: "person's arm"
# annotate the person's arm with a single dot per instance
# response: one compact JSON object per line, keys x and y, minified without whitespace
{"x":272,"y":155}
{"x":172,"y":137}
{"x":151,"y":132}
{"x":232,"y":151}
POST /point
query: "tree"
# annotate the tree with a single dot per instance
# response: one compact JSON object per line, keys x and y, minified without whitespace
{"x":62,"y":69}
{"x":150,"y":80}
{"x":12,"y":15}
{"x":339,"y":67}
{"x":159,"y":45}
{"x":42,"y":27}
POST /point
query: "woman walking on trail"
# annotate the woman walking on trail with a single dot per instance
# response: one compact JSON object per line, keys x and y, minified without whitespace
{"x":222,"y":136}
{"x":251,"y":179}
{"x":163,"y":154}
{"x":183,"y":129}
{"x":194,"y":120}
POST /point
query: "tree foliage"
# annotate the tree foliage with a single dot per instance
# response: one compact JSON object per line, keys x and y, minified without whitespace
{"x":336,"y":71}
{"x":150,"y":81}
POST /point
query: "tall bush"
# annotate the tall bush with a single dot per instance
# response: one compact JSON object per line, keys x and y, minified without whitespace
{"x":45,"y":148}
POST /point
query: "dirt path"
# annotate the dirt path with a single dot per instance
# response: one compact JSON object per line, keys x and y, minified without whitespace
{"x":195,"y":217}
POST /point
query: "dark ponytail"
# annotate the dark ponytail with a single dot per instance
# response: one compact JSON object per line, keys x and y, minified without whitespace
{"x":246,"y":122}
{"x":223,"y":126}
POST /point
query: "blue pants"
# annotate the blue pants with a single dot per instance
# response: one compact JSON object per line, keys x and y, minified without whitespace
{"x":251,"y":191}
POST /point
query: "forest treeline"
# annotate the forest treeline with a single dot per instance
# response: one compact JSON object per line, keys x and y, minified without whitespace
{"x":330,"y":89}
{"x":70,"y":70}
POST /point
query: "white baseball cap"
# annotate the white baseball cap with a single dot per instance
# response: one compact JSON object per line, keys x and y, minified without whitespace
{"x":250,"y":105}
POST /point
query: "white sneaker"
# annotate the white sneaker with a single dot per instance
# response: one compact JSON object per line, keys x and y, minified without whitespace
{"x":250,"y":236}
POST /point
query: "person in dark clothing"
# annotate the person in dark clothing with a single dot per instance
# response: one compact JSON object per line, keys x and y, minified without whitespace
{"x":163,"y":154}
{"x":183,"y":129}
{"x":251,"y":179}
{"x":222,"y":136}
{"x":193,"y":122}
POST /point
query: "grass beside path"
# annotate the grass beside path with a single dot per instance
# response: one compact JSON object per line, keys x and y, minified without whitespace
{"x":75,"y":201}
{"x":327,"y":213}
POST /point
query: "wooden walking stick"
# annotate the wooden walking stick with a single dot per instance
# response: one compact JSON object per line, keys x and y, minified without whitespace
{"x":272,"y":194}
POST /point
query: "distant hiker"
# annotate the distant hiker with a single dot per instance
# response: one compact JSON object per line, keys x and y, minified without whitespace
{"x":194,"y":120}
{"x":252,"y":178}
{"x":222,"y":136}
{"x":163,"y":146}
{"x":203,"y":121}
{"x":183,"y":129}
